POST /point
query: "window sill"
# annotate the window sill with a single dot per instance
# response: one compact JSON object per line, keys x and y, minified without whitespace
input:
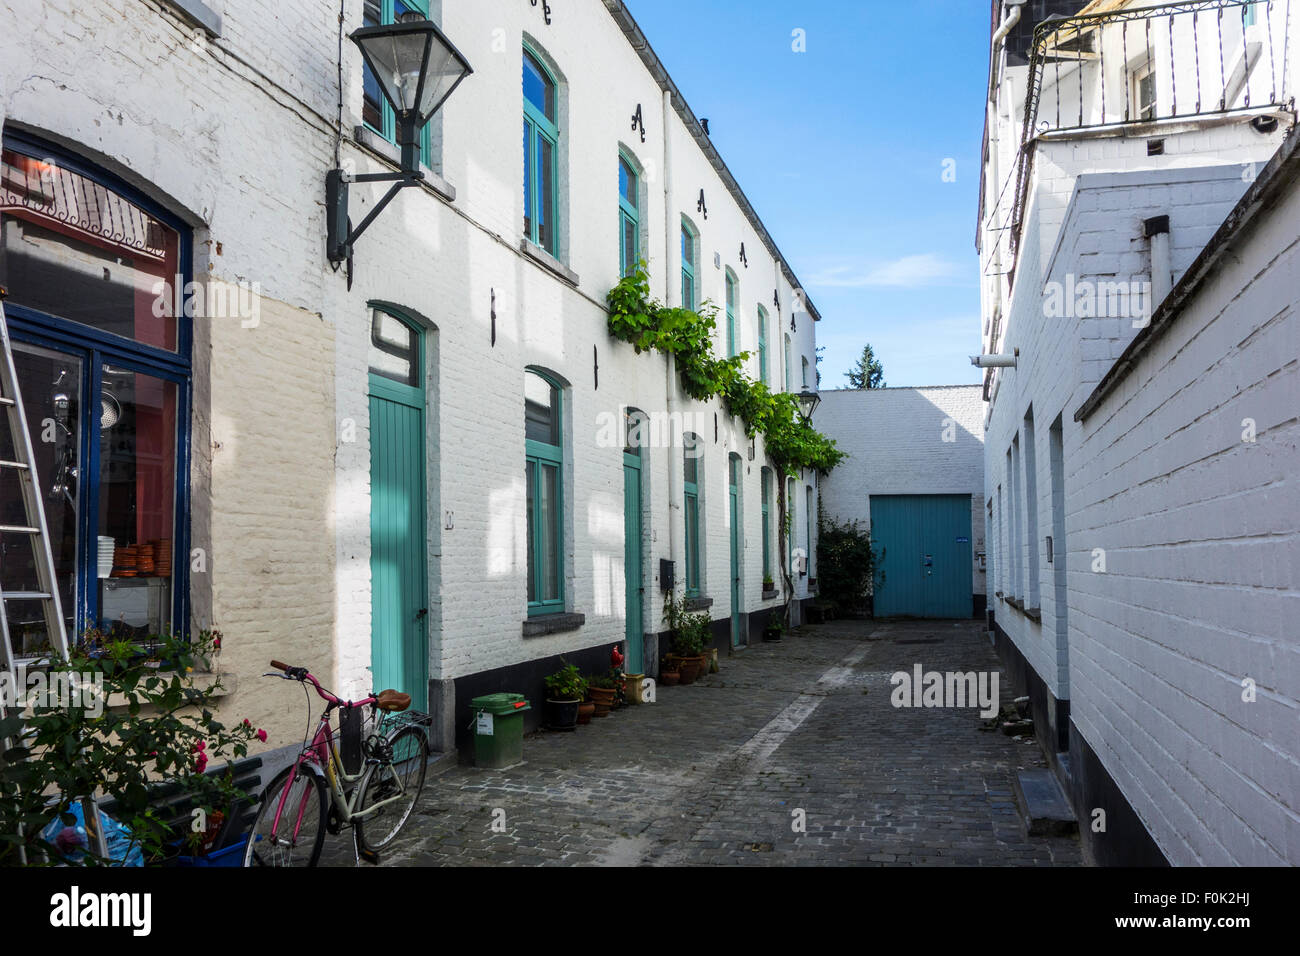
{"x":769,"y":593}
{"x":548,"y":261}
{"x":699,"y":603}
{"x":199,"y":681}
{"x":199,"y":14}
{"x":553,"y":624}
{"x":387,"y":152}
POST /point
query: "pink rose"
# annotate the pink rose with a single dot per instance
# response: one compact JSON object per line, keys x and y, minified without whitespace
{"x":261,"y":735}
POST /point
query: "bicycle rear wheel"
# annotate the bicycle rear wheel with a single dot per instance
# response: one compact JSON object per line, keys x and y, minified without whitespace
{"x":303,"y":815}
{"x":404,"y":776}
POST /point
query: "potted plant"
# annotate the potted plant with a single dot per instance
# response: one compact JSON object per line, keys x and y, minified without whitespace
{"x":690,"y":633}
{"x":601,"y":689}
{"x":565,"y":690}
{"x":769,"y":587}
{"x":774,"y":629}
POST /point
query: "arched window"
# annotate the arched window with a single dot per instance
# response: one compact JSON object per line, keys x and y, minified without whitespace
{"x":693,"y":455}
{"x":544,"y":470}
{"x":541,"y":145}
{"x":629,"y":216}
{"x":733,"y":343}
{"x":690,"y":249}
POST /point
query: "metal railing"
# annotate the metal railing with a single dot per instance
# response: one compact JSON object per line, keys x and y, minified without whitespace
{"x":1119,"y":69}
{"x":58,"y":196}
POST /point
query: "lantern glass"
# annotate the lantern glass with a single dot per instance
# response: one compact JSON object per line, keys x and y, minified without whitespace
{"x":416,"y":66}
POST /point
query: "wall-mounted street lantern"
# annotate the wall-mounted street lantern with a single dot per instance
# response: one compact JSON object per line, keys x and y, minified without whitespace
{"x":808,"y":402}
{"x":417,"y":69}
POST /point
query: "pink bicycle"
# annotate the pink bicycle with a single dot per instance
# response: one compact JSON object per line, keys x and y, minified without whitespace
{"x":318,"y":793}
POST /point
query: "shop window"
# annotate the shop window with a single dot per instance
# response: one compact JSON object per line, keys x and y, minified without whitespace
{"x":97,"y":278}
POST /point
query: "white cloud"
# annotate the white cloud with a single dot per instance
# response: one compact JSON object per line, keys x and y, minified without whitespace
{"x":907,"y":272}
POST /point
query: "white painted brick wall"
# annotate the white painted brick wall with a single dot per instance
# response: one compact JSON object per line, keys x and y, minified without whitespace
{"x":236,"y":134}
{"x":1196,"y":525}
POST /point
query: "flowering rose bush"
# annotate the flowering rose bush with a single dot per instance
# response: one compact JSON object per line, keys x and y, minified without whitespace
{"x":156,"y":726}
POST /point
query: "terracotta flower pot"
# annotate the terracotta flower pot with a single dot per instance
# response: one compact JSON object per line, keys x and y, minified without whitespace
{"x":669,"y":678}
{"x":603,"y":698}
{"x":690,"y":669}
{"x":585,"y":710}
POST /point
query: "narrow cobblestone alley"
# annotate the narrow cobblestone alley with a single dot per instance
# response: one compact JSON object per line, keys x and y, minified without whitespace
{"x":714,"y":773}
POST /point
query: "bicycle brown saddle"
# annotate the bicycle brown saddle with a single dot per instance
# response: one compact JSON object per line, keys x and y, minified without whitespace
{"x":392,"y":700}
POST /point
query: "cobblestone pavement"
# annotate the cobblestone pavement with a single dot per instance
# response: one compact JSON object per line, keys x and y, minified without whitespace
{"x":713,"y":773}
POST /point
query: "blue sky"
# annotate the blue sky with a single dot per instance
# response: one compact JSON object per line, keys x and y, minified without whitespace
{"x":841,"y":149}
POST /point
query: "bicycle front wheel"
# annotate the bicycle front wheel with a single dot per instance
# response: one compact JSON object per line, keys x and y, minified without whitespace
{"x":399,"y":781}
{"x":298,"y":837}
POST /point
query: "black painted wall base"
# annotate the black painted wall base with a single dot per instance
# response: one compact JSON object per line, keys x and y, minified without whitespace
{"x":1125,"y":841}
{"x":523,"y":678}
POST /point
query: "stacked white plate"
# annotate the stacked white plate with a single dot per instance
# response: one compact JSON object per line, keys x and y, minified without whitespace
{"x":106,"y":546}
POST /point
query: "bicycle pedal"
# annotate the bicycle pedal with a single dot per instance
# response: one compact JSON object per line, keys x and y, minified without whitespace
{"x":369,"y":856}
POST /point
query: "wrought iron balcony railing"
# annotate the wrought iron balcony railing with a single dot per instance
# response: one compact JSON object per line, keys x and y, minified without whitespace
{"x":1121,"y":68}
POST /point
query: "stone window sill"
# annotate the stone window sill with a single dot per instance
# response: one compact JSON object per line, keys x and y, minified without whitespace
{"x":388,"y":153}
{"x":769,"y":593}
{"x":553,"y":624}
{"x":200,"y":681}
{"x":699,"y":603}
{"x":548,"y":261}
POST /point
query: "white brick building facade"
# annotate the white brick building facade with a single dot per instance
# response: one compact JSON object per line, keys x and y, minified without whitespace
{"x":1141,"y":511}
{"x":233,"y":129}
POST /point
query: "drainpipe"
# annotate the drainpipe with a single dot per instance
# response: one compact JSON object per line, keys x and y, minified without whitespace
{"x":1156,"y":229}
{"x":672,"y":295}
{"x":1009,"y":24}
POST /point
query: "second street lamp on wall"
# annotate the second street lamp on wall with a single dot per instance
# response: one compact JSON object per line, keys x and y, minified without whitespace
{"x":417,"y":69}
{"x":808,"y":402}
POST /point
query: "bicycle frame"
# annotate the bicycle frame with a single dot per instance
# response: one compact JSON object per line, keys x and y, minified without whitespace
{"x":322,"y":753}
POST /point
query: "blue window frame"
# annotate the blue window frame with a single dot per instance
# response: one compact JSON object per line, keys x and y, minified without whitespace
{"x":541,"y":146}
{"x":122,"y":377}
{"x":693,"y":454}
{"x":629,"y":217}
{"x":690,"y":244}
{"x":733,"y":344}
{"x":762,"y":345}
{"x":375,"y":111}
{"x":544,"y":478}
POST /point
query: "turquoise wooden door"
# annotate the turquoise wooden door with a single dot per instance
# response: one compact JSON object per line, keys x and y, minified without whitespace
{"x":399,"y":580}
{"x":634,"y":586}
{"x":926,"y":568}
{"x":737,"y":543}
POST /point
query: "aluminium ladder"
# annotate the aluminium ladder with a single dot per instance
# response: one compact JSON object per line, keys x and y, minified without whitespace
{"x":36,"y":530}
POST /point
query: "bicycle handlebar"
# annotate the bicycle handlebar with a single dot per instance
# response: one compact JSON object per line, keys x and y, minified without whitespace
{"x":302,"y":674}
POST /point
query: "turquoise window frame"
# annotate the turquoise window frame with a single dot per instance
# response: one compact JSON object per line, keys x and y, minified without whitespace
{"x":762,"y":345}
{"x":538,"y":455}
{"x":766,"y":479}
{"x":628,"y":215}
{"x":388,"y":125}
{"x":789,"y":372}
{"x":539,"y":128}
{"x":733,"y":285}
{"x":691,"y":516}
{"x":688,"y":266}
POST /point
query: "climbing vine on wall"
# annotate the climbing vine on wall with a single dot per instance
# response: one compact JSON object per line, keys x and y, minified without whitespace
{"x":791,"y":443}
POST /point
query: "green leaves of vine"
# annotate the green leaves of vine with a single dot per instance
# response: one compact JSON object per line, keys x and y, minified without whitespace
{"x":648,"y":326}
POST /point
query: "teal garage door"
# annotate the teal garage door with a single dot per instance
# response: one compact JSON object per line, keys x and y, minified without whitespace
{"x":926,"y":566}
